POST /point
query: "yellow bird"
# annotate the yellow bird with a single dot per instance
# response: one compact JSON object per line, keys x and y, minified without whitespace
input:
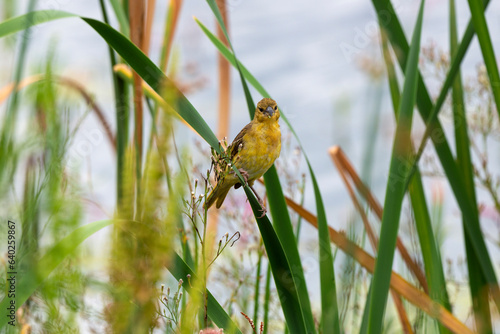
{"x":253,"y":152}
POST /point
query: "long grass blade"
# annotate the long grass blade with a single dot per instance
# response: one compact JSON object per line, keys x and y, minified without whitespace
{"x":395,"y":188}
{"x":151,"y":74}
{"x":137,"y":13}
{"x":267,"y":300}
{"x":149,"y":19}
{"x":329,"y":308}
{"x":391,"y":71}
{"x":121,"y":114}
{"x":477,"y":281}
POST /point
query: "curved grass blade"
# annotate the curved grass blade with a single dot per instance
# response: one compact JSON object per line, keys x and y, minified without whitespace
{"x":395,"y":190}
{"x":134,"y":57}
{"x":31,"y":280}
{"x":151,"y":74}
{"x":330,"y":317}
{"x":180,"y":270}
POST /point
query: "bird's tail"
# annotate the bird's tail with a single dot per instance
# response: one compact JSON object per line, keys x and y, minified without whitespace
{"x":211,"y":198}
{"x":218,"y":194}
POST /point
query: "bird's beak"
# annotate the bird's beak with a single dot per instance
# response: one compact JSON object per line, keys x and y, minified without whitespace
{"x":270,"y":111}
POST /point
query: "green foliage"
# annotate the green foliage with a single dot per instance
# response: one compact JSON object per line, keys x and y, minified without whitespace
{"x":401,"y":154}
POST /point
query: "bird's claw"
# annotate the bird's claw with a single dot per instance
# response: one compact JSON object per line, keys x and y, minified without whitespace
{"x":244,"y":174}
{"x":262,"y":206}
{"x":262,"y":209}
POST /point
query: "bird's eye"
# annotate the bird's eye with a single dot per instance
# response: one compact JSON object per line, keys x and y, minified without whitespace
{"x":275,"y":107}
{"x":261,"y":109}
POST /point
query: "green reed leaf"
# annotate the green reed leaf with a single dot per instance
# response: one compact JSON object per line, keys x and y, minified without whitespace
{"x":395,"y":191}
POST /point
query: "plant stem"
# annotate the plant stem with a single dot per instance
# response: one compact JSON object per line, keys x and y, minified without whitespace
{"x":257,"y":285}
{"x":205,"y":269}
{"x":121,"y":105}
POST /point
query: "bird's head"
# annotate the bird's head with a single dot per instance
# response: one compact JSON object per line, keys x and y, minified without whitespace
{"x":267,"y":110}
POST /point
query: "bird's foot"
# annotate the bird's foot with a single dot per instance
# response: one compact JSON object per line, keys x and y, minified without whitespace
{"x":261,"y":203}
{"x":262,"y":208}
{"x":244,"y":173}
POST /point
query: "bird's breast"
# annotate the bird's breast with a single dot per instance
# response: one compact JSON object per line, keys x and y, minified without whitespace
{"x":262,"y":146}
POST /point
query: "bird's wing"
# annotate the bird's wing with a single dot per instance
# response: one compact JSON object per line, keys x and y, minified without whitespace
{"x":238,"y":140}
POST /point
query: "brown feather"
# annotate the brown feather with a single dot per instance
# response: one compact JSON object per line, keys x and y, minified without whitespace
{"x":235,"y":146}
